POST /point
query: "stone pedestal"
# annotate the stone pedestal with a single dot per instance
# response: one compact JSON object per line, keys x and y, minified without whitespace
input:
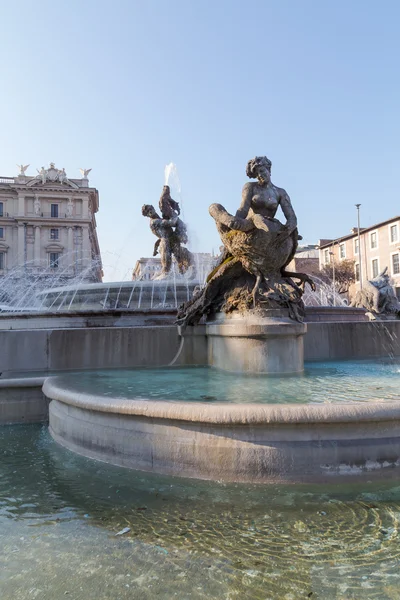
{"x":266,"y":342}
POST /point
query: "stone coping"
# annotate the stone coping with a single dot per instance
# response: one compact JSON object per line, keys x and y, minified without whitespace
{"x":225,"y":414}
{"x":73,"y":313}
{"x":22,"y":382}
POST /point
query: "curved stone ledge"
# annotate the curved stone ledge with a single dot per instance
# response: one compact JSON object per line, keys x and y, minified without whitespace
{"x":228,"y":414}
{"x":247,"y":443}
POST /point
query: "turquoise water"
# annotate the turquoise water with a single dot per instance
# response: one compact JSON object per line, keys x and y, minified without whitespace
{"x":59,"y":515}
{"x":345,"y":381}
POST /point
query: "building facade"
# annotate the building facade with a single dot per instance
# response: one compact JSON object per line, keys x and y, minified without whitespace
{"x":48,"y":225}
{"x":377,"y":248}
{"x":306,"y":260}
{"x":146,"y":269}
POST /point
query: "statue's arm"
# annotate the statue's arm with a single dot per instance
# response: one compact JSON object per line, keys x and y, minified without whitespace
{"x":165,"y":222}
{"x":245,"y":205}
{"x":287,"y":209}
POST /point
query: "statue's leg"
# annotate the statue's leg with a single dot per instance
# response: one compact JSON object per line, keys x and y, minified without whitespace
{"x":185,"y":259}
{"x":166,"y":256}
{"x":375,"y":300}
{"x":156,"y":247}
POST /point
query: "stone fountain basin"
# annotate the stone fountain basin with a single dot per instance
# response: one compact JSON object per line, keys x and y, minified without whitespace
{"x":230,"y":442}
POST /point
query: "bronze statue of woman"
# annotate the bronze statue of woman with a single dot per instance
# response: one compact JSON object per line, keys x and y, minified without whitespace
{"x":258,"y":247}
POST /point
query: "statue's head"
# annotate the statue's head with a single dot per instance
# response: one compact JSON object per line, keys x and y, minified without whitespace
{"x":382,"y":280}
{"x":259,"y":168}
{"x":148,"y":210}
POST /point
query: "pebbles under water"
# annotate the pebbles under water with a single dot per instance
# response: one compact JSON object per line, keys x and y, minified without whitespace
{"x":60,"y":513}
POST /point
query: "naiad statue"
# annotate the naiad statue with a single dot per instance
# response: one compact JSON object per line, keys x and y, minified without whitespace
{"x":252,"y":271}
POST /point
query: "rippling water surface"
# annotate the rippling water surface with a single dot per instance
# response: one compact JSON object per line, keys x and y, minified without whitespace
{"x":355,"y":381}
{"x":59,"y":514}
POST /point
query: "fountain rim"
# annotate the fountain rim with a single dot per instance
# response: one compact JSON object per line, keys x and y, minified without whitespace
{"x":105,"y":285}
{"x":223,"y":413}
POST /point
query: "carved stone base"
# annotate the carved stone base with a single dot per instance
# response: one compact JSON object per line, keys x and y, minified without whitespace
{"x":264,"y":342}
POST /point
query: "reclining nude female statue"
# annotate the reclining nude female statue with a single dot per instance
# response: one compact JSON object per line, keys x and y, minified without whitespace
{"x":257,"y":249}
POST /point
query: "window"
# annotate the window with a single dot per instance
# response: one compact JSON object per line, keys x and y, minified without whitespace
{"x":395,"y":264}
{"x":2,"y":261}
{"x":327,"y":258}
{"x":54,"y":210}
{"x":357,"y":272}
{"x":374,"y":240}
{"x":54,"y":258}
{"x":54,"y":234}
{"x":1,"y":232}
{"x":375,"y":268}
{"x":394,"y":235}
{"x":356,"y":246}
{"x":342,"y":250}
{"x":1,"y":209}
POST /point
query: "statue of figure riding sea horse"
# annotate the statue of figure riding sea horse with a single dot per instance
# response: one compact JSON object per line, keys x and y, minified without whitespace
{"x":171,"y":233}
{"x":252,"y":271}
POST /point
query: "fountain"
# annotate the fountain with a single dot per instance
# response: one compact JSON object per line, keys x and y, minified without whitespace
{"x":334,"y":419}
{"x":223,"y":420}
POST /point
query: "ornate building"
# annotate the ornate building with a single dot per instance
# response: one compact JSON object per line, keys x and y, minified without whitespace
{"x":48,"y":225}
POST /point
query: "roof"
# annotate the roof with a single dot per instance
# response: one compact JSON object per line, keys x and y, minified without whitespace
{"x":362,"y":230}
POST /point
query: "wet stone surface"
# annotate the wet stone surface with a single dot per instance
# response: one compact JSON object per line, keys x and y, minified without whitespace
{"x":60,"y":513}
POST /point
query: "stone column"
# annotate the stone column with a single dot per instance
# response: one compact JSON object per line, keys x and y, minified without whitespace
{"x":36,"y":247}
{"x":21,"y":205}
{"x":85,"y":208}
{"x":70,"y":249}
{"x":21,"y":244}
{"x":86,"y":254}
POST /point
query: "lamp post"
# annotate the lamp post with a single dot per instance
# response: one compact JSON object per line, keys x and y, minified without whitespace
{"x":359,"y":243}
{"x":332,"y":253}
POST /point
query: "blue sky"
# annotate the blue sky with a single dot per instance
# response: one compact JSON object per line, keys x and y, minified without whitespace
{"x":126,"y":87}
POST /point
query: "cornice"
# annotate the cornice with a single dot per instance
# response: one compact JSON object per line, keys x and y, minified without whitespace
{"x":51,"y":222}
{"x":31,"y":191}
{"x":53,"y":245}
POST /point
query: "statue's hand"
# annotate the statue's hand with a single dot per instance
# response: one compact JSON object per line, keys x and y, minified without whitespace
{"x":289,"y":228}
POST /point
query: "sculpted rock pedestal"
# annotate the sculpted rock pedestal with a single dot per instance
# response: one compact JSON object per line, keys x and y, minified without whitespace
{"x":264,"y":342}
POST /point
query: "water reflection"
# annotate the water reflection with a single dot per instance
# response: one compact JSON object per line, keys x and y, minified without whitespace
{"x":322,"y":382}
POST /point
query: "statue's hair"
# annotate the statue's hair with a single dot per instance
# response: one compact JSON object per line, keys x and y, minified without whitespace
{"x":146,"y":208}
{"x":254,"y":163}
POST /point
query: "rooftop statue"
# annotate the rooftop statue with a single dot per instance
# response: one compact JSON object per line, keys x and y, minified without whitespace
{"x":378,"y":298}
{"x":171,"y":233}
{"x":22,"y":169}
{"x":257,"y":249}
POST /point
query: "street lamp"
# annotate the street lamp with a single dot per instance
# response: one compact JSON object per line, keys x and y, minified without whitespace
{"x":359,"y":243}
{"x":333,"y":272}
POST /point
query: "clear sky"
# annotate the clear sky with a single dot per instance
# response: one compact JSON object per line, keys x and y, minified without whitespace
{"x":126,"y":87}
